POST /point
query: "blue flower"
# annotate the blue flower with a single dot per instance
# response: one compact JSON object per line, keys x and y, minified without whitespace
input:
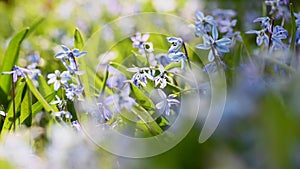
{"x":177,"y":57}
{"x":121,"y":100}
{"x":76,"y":125}
{"x":223,"y":14}
{"x":203,"y":24}
{"x":62,"y":114}
{"x":68,"y":53}
{"x":174,"y":53}
{"x":297,"y":16}
{"x":163,"y":59}
{"x":104,"y":111}
{"x":264,"y":21}
{"x":216,"y":47}
{"x":162,"y":78}
{"x":17,"y":72}
{"x":176,"y":44}
{"x":298,"y":37}
{"x":59,"y":78}
{"x":116,"y":80}
{"x":278,"y":34}
{"x":279,"y":8}
{"x":140,"y":76}
{"x":61,"y":104}
{"x":139,"y":40}
{"x":261,"y":36}
{"x":166,"y":102}
{"x":74,"y":91}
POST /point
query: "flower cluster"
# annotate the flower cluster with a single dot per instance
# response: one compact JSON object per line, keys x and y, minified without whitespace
{"x":270,"y":35}
{"x":208,"y":27}
{"x":279,"y":8}
{"x":65,"y":81}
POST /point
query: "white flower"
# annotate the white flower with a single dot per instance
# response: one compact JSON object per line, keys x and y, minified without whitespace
{"x":2,"y":113}
{"x":162,"y":78}
{"x":58,"y":78}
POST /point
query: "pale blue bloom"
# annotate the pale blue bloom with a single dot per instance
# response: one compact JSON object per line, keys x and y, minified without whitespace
{"x":203,"y":24}
{"x":215,"y":45}
{"x":61,"y":104}
{"x":162,"y":78}
{"x":279,"y":8}
{"x":141,"y":75}
{"x":59,"y":78}
{"x":212,"y":67}
{"x":297,"y":16}
{"x":223,"y":14}
{"x":264,"y":21}
{"x":279,"y":33}
{"x":105,"y":113}
{"x":261,"y":36}
{"x":176,"y":44}
{"x":139,"y":40}
{"x":116,"y":79}
{"x":76,"y":125}
{"x":163,"y":59}
{"x":177,"y":57}
{"x":18,"y":72}
{"x":68,"y":53}
{"x":298,"y":37}
{"x":62,"y":114}
{"x":166,"y":102}
{"x":122,"y":100}
{"x":174,"y":53}
{"x":74,"y":91}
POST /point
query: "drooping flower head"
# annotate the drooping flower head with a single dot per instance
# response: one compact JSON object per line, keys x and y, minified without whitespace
{"x":17,"y":72}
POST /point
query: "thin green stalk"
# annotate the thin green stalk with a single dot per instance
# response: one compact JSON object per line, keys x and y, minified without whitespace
{"x":14,"y":103}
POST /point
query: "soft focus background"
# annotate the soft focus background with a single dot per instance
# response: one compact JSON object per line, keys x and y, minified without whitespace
{"x":260,"y":124}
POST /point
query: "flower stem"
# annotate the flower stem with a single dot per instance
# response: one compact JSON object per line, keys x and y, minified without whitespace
{"x":14,"y":103}
{"x":187,"y":56}
{"x":79,"y":80}
{"x":271,"y":33}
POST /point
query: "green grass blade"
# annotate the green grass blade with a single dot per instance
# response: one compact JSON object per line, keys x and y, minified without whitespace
{"x":79,"y":44}
{"x":141,"y":98}
{"x":39,"y":96}
{"x":37,"y":107}
{"x":10,"y":58}
{"x":26,"y":108}
{"x":78,"y":39}
{"x":10,"y":114}
{"x":43,"y":86}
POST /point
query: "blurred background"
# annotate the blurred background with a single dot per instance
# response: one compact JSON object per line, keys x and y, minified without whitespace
{"x":260,"y":125}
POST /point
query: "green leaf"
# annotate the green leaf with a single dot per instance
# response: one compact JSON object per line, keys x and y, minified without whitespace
{"x":141,"y":98}
{"x":39,"y":96}
{"x":79,"y":44}
{"x":147,"y":120}
{"x":78,"y":40}
{"x":26,"y":110}
{"x":10,"y":58}
{"x":10,"y":113}
{"x":43,"y":86}
{"x":36,"y":107}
